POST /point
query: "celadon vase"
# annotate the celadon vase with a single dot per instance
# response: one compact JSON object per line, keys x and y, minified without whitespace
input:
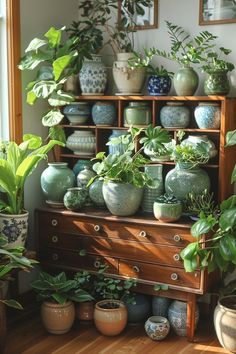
{"x":217,"y":83}
{"x":122,"y":199}
{"x":186,"y":178}
{"x":185,"y":81}
{"x":55,"y":180}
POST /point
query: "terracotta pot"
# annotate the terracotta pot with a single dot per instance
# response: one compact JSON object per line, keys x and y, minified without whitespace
{"x":84,"y":311}
{"x":110,"y":320}
{"x":58,"y":319}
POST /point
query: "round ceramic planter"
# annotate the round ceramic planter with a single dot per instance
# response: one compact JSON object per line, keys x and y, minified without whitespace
{"x":175,"y":115}
{"x":185,"y":179}
{"x":75,"y":198}
{"x":177,"y":315}
{"x":193,"y":140}
{"x":158,"y":85}
{"x":77,"y":112}
{"x":93,"y":76}
{"x":137,"y":114}
{"x":122,"y":199}
{"x":217,"y":83}
{"x":82,"y":142}
{"x":55,"y":180}
{"x":157,"y":327}
{"x":84,"y":311}
{"x":128,"y":81}
{"x":160,"y":306}
{"x":14,"y":228}
{"x":225,"y":322}
{"x":104,"y":113}
{"x":138,"y":312}
{"x":167,"y":212}
{"x":110,"y":321}
{"x":185,"y":81}
{"x":150,"y":194}
{"x":95,"y":193}
{"x":56,"y":318}
{"x":208,"y":115}
{"x":117,"y":148}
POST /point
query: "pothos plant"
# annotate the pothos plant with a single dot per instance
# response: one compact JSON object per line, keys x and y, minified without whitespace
{"x":219,"y":250}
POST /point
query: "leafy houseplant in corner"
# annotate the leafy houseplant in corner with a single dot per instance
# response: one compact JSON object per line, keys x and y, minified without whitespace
{"x":167,"y":208}
{"x":58,"y":293}
{"x":20,"y":162}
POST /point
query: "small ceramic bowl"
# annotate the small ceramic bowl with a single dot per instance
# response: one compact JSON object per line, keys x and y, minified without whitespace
{"x":157,"y":327}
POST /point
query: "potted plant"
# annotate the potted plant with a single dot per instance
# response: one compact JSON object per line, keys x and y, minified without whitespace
{"x":20,"y":162}
{"x":57,"y":294}
{"x":155,"y":143}
{"x":159,"y":81}
{"x":167,"y":208}
{"x":197,"y":203}
{"x":84,"y":310}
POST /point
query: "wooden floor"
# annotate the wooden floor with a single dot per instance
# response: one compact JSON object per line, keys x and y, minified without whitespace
{"x":29,"y":337}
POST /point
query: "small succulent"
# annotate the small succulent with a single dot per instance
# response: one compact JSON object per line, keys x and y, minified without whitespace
{"x":167,"y":199}
{"x":201,"y":203}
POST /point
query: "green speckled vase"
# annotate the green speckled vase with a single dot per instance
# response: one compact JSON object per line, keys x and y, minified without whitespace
{"x":186,"y":178}
{"x":75,"y":198}
{"x":185,"y":81}
{"x":217,"y":83}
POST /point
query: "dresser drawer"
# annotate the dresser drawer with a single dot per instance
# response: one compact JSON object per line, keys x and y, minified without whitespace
{"x":75,"y":260}
{"x":160,"y":274}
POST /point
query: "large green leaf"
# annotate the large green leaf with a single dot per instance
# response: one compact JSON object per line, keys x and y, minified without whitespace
{"x":44,"y":88}
{"x":201,"y":227}
{"x":35,"y":44}
{"x":231,"y":138}
{"x":31,"y":97}
{"x":13,"y":156}
{"x":52,"y":118}
{"x":32,"y":60}
{"x":228,"y":219}
{"x":33,"y":142}
{"x":54,"y":37}
{"x":12,"y":303}
{"x":233,"y":176}
{"x":189,"y":251}
{"x":7,"y":178}
{"x":228,"y":203}
{"x":190,"y":265}
{"x":60,"y":98}
{"x":59,"y":298}
{"x":60,"y":64}
{"x":57,"y":133}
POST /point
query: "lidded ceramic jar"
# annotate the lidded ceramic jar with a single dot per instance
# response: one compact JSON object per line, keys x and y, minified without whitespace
{"x":104,"y":113}
{"x":82,"y":142}
{"x":197,"y":139}
{"x":77,"y":112}
{"x":75,"y":198}
{"x":93,"y":76}
{"x":175,"y":115}
{"x":157,"y":327}
{"x":208,"y":115}
{"x":137,"y":114}
{"x":79,"y":166}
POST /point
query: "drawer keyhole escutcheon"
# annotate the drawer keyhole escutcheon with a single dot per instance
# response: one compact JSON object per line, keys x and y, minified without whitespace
{"x":136,"y":269}
{"x":176,"y":257}
{"x":174,"y":276}
{"x":55,"y":257}
{"x":177,"y":238}
{"x":54,"y":222}
{"x":97,"y":228}
{"x":54,"y":239}
{"x":142,"y":233}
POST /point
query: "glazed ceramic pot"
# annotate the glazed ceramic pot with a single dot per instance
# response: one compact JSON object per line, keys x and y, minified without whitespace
{"x":138,"y":312}
{"x":225,"y":322}
{"x":117,"y":148}
{"x":14,"y":228}
{"x":186,"y":178}
{"x":56,"y":318}
{"x":166,"y":212}
{"x":77,"y":112}
{"x":157,"y":327}
{"x":128,"y":81}
{"x":115,"y":196}
{"x":177,"y":315}
{"x":217,"y":83}
{"x":185,"y":81}
{"x":150,"y":194}
{"x":75,"y":198}
{"x":93,"y":76}
{"x":193,"y":140}
{"x":55,"y":180}
{"x":208,"y":115}
{"x":104,"y":113}
{"x":158,"y":85}
{"x":82,"y":142}
{"x":82,"y":180}
{"x":95,"y":193}
{"x":84,"y":311}
{"x":110,"y":317}
{"x":175,"y":115}
{"x":137,"y":114}
{"x":80,"y":164}
{"x":160,"y":306}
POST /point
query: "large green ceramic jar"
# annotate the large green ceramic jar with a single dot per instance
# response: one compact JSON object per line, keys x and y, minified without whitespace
{"x":137,"y":114}
{"x":185,"y":81}
{"x":186,"y":178}
{"x":55,"y":180}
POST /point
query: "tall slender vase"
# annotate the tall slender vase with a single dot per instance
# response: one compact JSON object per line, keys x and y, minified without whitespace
{"x":185,"y":81}
{"x":150,"y":194}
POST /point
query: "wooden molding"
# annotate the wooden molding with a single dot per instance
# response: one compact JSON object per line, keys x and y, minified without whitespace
{"x":14,"y":75}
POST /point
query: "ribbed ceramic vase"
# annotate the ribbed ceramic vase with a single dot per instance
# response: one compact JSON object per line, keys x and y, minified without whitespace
{"x":93,"y":76}
{"x":185,"y":81}
{"x":82,"y":142}
{"x":150,"y":194}
{"x":217,"y":83}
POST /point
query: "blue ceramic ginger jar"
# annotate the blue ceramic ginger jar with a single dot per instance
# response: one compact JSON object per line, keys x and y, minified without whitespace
{"x":75,"y":198}
{"x":157,"y":327}
{"x":177,"y":315}
{"x":175,"y":115}
{"x":160,"y":306}
{"x":207,"y":115}
{"x":117,"y":148}
{"x":158,"y":85}
{"x":104,"y":113}
{"x":93,"y":76}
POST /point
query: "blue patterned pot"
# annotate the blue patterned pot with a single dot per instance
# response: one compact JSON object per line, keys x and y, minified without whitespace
{"x":207,"y":115}
{"x":160,"y":306}
{"x":157,"y":327}
{"x":104,"y":113}
{"x":14,"y":228}
{"x":93,"y":76}
{"x":75,"y":198}
{"x":175,"y":115}
{"x":159,"y":85}
{"x":117,"y":148}
{"x":95,"y":193}
{"x":138,"y":312}
{"x":177,"y":315}
{"x":77,"y":112}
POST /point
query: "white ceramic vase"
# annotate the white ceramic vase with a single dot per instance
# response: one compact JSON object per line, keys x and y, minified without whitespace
{"x":82,"y":142}
{"x":14,"y":228}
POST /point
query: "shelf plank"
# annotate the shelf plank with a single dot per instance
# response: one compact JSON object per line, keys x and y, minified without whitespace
{"x":195,"y":130}
{"x":152,"y":98}
{"x":73,"y":156}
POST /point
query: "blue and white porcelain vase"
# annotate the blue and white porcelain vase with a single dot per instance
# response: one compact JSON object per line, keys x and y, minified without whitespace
{"x":175,"y":115}
{"x":177,"y":315}
{"x":82,"y":142}
{"x":150,"y":194}
{"x":157,"y":327}
{"x":14,"y":228}
{"x":104,"y":113}
{"x":160,"y":306}
{"x":158,"y":85}
{"x":77,"y":112}
{"x":116,"y":148}
{"x":93,"y":76}
{"x":208,"y":115}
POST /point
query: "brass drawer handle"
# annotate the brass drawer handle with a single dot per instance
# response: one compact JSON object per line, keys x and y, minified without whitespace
{"x":177,"y":238}
{"x":96,"y":264}
{"x":136,"y":269}
{"x":54,"y":239}
{"x":97,"y":228}
{"x":142,"y":233}
{"x":176,"y":257}
{"x":174,"y":276}
{"x":55,"y":257}
{"x":54,"y":222}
